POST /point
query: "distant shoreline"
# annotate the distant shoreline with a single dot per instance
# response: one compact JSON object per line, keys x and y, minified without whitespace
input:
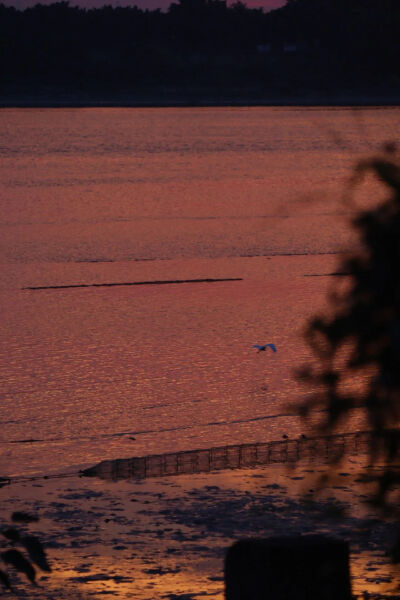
{"x":50,"y":98}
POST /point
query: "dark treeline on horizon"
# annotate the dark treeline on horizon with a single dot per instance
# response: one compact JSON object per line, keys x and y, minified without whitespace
{"x":314,"y":45}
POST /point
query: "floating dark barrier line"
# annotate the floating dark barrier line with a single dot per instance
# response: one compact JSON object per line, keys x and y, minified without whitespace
{"x":147,"y":431}
{"x":127,"y":283}
{"x":28,"y":441}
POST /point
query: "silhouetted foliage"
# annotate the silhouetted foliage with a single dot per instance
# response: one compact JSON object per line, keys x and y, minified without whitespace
{"x":15,"y":557}
{"x":357,"y":343}
{"x":319,"y":45}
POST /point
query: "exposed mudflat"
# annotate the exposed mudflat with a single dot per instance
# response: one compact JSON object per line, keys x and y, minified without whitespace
{"x":167,"y":537}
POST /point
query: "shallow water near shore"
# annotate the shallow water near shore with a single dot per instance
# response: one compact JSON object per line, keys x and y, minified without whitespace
{"x":144,"y":252}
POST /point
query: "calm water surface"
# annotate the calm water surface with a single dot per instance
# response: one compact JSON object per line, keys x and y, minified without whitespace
{"x":100,"y":196}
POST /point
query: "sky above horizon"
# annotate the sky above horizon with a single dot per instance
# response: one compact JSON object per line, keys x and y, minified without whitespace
{"x":143,"y":4}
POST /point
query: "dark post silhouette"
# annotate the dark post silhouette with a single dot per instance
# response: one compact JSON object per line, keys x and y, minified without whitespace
{"x":287,"y":568}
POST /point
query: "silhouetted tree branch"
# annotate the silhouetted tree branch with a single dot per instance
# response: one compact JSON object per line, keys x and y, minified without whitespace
{"x":357,"y":344}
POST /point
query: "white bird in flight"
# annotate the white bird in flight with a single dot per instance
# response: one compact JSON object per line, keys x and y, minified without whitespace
{"x":264,"y":347}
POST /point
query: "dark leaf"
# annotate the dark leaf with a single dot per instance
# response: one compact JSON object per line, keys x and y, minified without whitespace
{"x":395,"y":551}
{"x":36,"y":552}
{"x":11,"y":534}
{"x":5,"y":580}
{"x":19,"y":562}
{"x":23,"y":517}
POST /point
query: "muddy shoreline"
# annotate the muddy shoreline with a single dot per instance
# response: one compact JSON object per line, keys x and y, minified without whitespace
{"x":164,"y":97}
{"x":167,"y":537}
